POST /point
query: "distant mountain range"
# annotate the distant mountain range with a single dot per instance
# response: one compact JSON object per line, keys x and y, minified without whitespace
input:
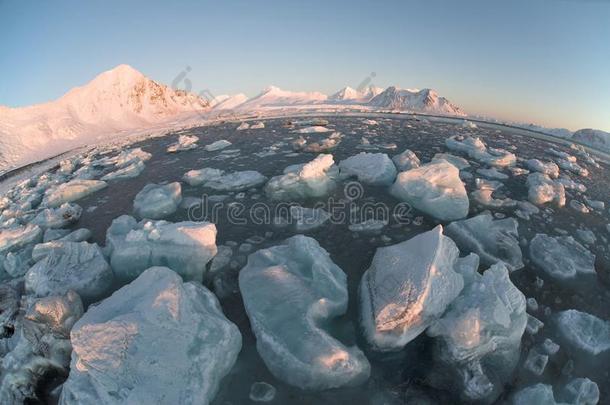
{"x":123,"y":99}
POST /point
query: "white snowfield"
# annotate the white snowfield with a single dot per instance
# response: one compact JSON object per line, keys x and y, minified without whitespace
{"x":299,"y":277}
{"x":434,"y":188}
{"x":156,"y":340}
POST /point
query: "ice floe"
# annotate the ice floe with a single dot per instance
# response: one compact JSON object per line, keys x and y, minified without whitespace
{"x":290,"y":292}
{"x":548,"y":168}
{"x":434,"y":188}
{"x":314,"y":179}
{"x":369,"y":168}
{"x":156,"y":340}
{"x":224,"y":181}
{"x":71,"y":191}
{"x":218,"y":145}
{"x":563,"y":259}
{"x":542,"y":189}
{"x":407,"y":287}
{"x":156,"y":201}
{"x":78,"y":266}
{"x":494,"y":240}
{"x":59,"y":217}
{"x":185,"y":247}
{"x":407,"y":160}
{"x":583,"y":332}
{"x":185,"y":142}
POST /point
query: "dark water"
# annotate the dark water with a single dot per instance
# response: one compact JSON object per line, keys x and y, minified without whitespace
{"x":395,"y":378}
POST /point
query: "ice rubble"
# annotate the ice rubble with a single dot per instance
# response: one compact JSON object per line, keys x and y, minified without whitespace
{"x":407,"y":160}
{"x":369,"y":168}
{"x":485,"y":198}
{"x":307,"y":219}
{"x":476,"y":149}
{"x":492,"y":173}
{"x":127,"y":172}
{"x":408,"y":286}
{"x":156,"y":201}
{"x":224,"y":181}
{"x":579,"y":391}
{"x":314,"y":179}
{"x":185,"y":247}
{"x":304,"y":145}
{"x":541,"y":190}
{"x":434,"y":188}
{"x":548,"y":168}
{"x":289,"y":292}
{"x":39,"y":348}
{"x":78,"y":266}
{"x":156,"y":340}
{"x":493,"y":240}
{"x":17,"y":237}
{"x":572,"y":167}
{"x":563,"y":259}
{"x":477,"y":341}
{"x":218,"y":145}
{"x":71,"y":191}
{"x":124,"y":158}
{"x":242,"y":126}
{"x":60,"y":217}
{"x":258,"y":125}
{"x":185,"y":142}
{"x":583,"y":333}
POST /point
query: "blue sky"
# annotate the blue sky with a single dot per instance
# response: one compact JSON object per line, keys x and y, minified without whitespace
{"x":544,"y":61}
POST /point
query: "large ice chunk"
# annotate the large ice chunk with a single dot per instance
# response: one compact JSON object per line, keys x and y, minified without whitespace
{"x":408,"y":286}
{"x":130,"y":171}
{"x":493,"y":240}
{"x":477,"y":341}
{"x":476,"y":149}
{"x":71,"y":191}
{"x":434,"y":188}
{"x":156,"y":201}
{"x":156,"y":340}
{"x":19,"y":236}
{"x":563,"y":259}
{"x":369,"y":168}
{"x":541,"y":190}
{"x":291,"y":293}
{"x":185,"y":247}
{"x":78,"y":266}
{"x":583,"y":332}
{"x":314,"y":179}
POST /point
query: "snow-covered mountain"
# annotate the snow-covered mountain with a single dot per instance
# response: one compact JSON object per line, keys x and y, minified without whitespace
{"x":226,"y":102}
{"x":275,"y":97}
{"x":425,"y":100}
{"x":594,"y":138}
{"x":116,"y":100}
{"x":350,"y":95}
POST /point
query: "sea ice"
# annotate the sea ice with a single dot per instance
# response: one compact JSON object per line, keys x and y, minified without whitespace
{"x":457,"y":161}
{"x":477,"y":341}
{"x":314,"y":129}
{"x":291,"y":293}
{"x":408,"y":286}
{"x":434,"y":188}
{"x":541,"y":190}
{"x":59,"y":217}
{"x":185,"y":142}
{"x":156,"y":340}
{"x":311,"y":180}
{"x":262,"y":392}
{"x":307,"y":219}
{"x":407,"y":160}
{"x":18,"y":237}
{"x":563,"y":259}
{"x":492,"y":173}
{"x":493,"y":240}
{"x":369,"y":226}
{"x":156,"y":201}
{"x":71,"y":191}
{"x":242,"y":126}
{"x":548,"y":168}
{"x":369,"y":168}
{"x":218,"y":145}
{"x":583,"y":332}
{"x":127,"y":172}
{"x":224,"y":181}
{"x":78,"y":266}
{"x":185,"y":247}
{"x":476,"y":149}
